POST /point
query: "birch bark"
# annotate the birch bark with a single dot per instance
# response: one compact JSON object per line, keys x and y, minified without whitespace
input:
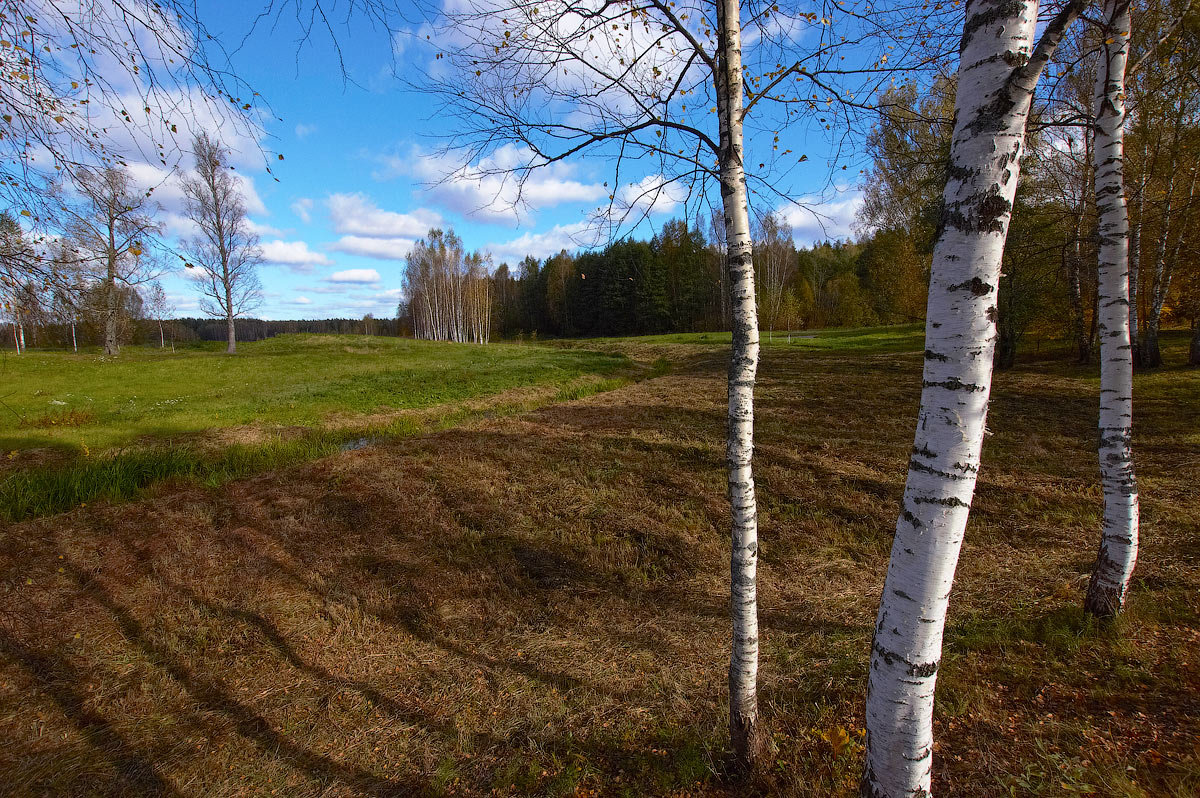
{"x":1119,"y":537}
{"x":998,"y":69}
{"x":743,"y":366}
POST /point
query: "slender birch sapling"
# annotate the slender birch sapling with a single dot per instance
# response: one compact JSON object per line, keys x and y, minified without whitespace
{"x":1119,"y":537}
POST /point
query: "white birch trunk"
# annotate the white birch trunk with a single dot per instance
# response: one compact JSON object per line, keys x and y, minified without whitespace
{"x":74,"y":343}
{"x":998,"y":70}
{"x":21,"y":329}
{"x":743,"y":366}
{"x":1119,"y":537}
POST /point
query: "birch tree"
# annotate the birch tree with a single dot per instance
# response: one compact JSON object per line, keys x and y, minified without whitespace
{"x":111,"y":233}
{"x":87,"y":85}
{"x":448,"y":290}
{"x":999,"y":67}
{"x":15,"y":257}
{"x":776,"y":267}
{"x":225,"y":253}
{"x":664,"y":92}
{"x":1119,"y":538}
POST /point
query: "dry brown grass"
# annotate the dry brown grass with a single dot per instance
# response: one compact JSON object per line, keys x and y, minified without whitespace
{"x":536,"y":604}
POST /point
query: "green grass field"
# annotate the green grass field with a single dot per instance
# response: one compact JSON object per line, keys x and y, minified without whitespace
{"x":75,"y":428}
{"x":56,"y":399}
{"x":899,"y":338}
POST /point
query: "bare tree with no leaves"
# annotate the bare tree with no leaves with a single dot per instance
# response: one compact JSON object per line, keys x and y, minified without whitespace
{"x":112,"y":234}
{"x":224,"y":252}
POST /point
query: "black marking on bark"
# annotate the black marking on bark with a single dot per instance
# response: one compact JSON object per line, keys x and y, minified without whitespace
{"x":949,"y":501}
{"x":931,"y":355}
{"x":954,"y":384}
{"x":916,"y":465}
{"x":907,"y":515}
{"x":918,"y":669}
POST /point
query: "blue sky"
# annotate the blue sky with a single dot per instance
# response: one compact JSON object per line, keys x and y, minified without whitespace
{"x":354,"y":188}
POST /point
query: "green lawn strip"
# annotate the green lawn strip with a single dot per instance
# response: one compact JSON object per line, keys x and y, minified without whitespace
{"x":124,"y":475}
{"x":62,"y":402}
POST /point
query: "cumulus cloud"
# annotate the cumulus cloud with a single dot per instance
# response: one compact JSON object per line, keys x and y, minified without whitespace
{"x":653,"y":194}
{"x":819,"y":218}
{"x":356,"y":214}
{"x":294,"y":254}
{"x":543,"y":245}
{"x":355,"y":276}
{"x":488,"y":190}
{"x":260,"y":229}
{"x":166,"y":188}
{"x":383,"y":248}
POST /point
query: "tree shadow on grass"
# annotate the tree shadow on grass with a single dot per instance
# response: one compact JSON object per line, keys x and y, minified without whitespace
{"x":211,"y":695}
{"x":58,"y":679}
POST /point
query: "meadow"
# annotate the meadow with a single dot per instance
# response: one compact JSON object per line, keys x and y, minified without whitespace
{"x":75,"y":428}
{"x":527,"y":593}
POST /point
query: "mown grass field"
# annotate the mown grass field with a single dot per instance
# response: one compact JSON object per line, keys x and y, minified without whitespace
{"x":75,"y":428}
{"x":534,"y":602}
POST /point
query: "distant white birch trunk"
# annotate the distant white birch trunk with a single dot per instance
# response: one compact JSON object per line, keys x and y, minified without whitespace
{"x":1119,"y":539}
{"x":74,"y":343}
{"x":743,"y":366}
{"x":998,"y":70}
{"x":1135,"y":255}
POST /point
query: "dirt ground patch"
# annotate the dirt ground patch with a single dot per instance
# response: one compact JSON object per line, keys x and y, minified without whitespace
{"x":535,"y":604}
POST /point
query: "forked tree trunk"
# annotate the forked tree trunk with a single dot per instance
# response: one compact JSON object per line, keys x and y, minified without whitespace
{"x":998,"y":70}
{"x":1119,"y":539}
{"x":744,"y":732}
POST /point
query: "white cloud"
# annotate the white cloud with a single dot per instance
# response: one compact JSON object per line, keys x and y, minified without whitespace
{"x":384,"y":248}
{"x":166,"y":188}
{"x":819,"y":218}
{"x":300,"y":300}
{"x":260,"y":229}
{"x":303,"y":209}
{"x":653,"y":194}
{"x":357,"y":215}
{"x":304,"y":131}
{"x":355,"y":276}
{"x":542,"y":245}
{"x":489,"y":190}
{"x":295,"y":254}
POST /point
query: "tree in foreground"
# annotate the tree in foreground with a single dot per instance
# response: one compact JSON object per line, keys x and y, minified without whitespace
{"x":999,"y":68}
{"x":663,"y":91}
{"x":1119,"y":538}
{"x":224,"y":252}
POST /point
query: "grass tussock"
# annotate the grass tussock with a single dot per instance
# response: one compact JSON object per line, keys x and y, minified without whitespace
{"x":536,"y":604}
